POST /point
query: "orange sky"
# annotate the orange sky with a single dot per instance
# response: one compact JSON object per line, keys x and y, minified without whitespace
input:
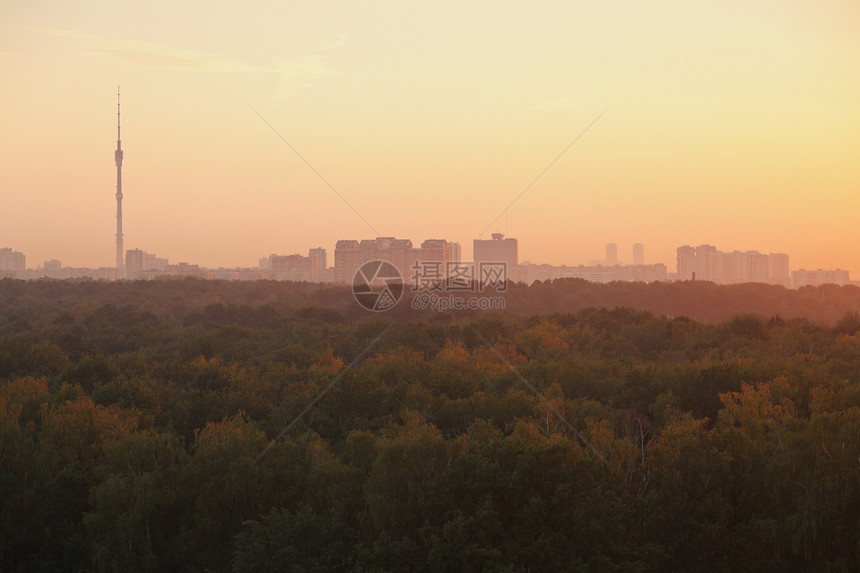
{"x":733,"y":123}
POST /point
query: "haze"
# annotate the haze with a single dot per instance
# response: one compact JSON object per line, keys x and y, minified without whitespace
{"x":732,"y":123}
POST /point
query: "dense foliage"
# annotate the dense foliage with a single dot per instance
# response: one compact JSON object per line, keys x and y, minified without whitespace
{"x":172,"y":426}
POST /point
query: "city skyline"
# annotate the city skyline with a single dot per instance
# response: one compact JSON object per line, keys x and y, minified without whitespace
{"x":735,"y":126}
{"x":441,"y":257}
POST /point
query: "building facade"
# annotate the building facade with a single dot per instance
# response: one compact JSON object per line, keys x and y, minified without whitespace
{"x":801,"y":278}
{"x":350,"y":254}
{"x":611,"y":254}
{"x":706,"y":263}
{"x":498,"y":249}
{"x":638,"y":254}
{"x":455,"y":252}
{"x":12,"y":261}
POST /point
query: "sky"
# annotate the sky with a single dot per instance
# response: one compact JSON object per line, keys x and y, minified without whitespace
{"x":272,"y":127}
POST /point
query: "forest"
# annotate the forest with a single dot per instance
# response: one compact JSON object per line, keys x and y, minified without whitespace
{"x":190,"y":425}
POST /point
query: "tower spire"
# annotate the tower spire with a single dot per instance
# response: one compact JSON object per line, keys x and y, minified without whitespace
{"x":118,"y":156}
{"x":117,"y":116}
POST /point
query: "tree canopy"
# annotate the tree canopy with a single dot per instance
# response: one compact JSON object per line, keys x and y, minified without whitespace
{"x":212,"y":426}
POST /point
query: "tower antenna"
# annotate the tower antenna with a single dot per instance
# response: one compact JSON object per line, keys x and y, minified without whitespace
{"x":120,"y":270}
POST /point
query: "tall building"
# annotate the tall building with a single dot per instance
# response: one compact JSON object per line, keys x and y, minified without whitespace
{"x":118,"y":156}
{"x":707,"y":263}
{"x":12,"y":261}
{"x":135,"y":261}
{"x":496,"y":250}
{"x":347,"y":259}
{"x":433,"y":251}
{"x":350,"y":254}
{"x":52,"y":269}
{"x":455,"y":252}
{"x":757,"y":267}
{"x":611,"y":254}
{"x":138,"y":262}
{"x":685,"y":262}
{"x":778,"y":270}
{"x":398,"y":252}
{"x":733,"y":267}
{"x":638,"y":254}
{"x":149,"y":261}
{"x":320,"y":255}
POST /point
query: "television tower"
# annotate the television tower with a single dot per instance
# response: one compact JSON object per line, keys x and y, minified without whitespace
{"x":120,"y":271}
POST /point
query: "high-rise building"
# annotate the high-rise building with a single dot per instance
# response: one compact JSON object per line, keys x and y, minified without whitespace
{"x":12,"y":261}
{"x":757,"y":267}
{"x":496,"y":250}
{"x":733,"y":267}
{"x":320,"y":255}
{"x":638,"y":254}
{"x":149,"y":261}
{"x":349,"y":255}
{"x":431,"y":261}
{"x":455,"y":252}
{"x":778,"y":270}
{"x":685,"y":262}
{"x":347,"y":259}
{"x":398,"y":252}
{"x":497,"y":260}
{"x":611,"y":254}
{"x":135,"y":262}
{"x":707,"y":263}
{"x":52,"y":269}
{"x":138,"y":261}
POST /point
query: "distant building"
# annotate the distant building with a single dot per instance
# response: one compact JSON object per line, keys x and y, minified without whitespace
{"x":347,"y":259}
{"x":292,"y":268}
{"x":134,"y":262}
{"x":611,"y":254}
{"x":138,"y":261}
{"x":455,"y":253}
{"x":319,"y":254}
{"x":496,"y":250}
{"x":435,"y":250}
{"x":12,"y":261}
{"x":184,"y":269}
{"x":52,"y":269}
{"x":707,"y":263}
{"x":350,"y":254}
{"x":686,"y":263}
{"x":802,"y":278}
{"x":638,"y":254}
{"x":778,"y":269}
